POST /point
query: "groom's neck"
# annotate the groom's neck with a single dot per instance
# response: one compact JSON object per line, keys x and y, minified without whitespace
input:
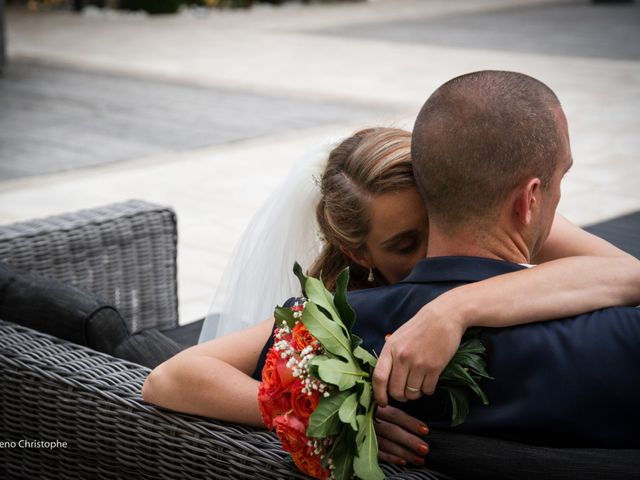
{"x":493,"y":243}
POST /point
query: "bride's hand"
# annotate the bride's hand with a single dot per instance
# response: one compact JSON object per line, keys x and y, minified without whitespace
{"x":413,"y":358}
{"x":399,"y":440}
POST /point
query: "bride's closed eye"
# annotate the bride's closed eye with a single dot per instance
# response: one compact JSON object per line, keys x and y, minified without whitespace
{"x":405,"y":244}
{"x":408,"y":249}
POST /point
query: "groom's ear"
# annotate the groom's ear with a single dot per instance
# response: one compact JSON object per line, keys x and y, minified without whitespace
{"x":527,"y":200}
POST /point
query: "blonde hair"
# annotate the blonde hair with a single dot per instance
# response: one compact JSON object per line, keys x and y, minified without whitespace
{"x":370,"y":162}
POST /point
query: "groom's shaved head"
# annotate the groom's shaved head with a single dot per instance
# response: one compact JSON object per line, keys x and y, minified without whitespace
{"x":477,"y":137}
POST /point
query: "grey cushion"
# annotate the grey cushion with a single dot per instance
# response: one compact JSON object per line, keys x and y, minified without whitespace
{"x":148,"y":347}
{"x":70,"y":313}
{"x":59,"y":309}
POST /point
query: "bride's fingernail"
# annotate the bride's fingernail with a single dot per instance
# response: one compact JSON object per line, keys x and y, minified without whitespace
{"x":402,"y":463}
{"x":422,"y":429}
{"x":386,"y":337}
{"x":423,"y":448}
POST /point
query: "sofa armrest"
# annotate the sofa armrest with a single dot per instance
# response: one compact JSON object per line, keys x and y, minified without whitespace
{"x":52,"y":390}
{"x":56,"y":390}
{"x":124,"y":253}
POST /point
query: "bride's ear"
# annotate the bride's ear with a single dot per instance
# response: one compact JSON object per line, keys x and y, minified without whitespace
{"x":360,"y":256}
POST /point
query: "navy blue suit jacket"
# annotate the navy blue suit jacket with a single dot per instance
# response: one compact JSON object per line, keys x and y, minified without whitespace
{"x":568,"y":382}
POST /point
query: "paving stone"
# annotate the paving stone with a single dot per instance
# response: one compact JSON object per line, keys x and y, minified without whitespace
{"x":568,"y":29}
{"x":56,"y":119}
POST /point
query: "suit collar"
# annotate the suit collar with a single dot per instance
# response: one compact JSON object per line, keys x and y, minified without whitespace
{"x":458,"y":269}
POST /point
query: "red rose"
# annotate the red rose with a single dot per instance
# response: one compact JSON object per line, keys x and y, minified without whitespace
{"x":310,"y":464}
{"x":272,"y":405}
{"x":301,"y":337}
{"x":276,"y":376}
{"x":270,"y":377}
{"x":285,"y":373}
{"x":303,"y":404}
{"x":292,"y":432}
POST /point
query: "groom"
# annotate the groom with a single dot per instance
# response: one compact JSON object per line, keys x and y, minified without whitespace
{"x":490,"y":150}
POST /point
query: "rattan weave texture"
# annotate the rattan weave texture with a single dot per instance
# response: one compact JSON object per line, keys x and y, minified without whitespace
{"x":125,"y":253}
{"x":51,"y":390}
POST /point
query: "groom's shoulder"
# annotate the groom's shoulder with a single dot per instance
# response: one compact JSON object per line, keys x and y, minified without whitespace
{"x":613,"y":331}
{"x":403,"y":299}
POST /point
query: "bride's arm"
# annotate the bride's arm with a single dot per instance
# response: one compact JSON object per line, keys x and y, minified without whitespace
{"x":593,"y":274}
{"x":213,"y":379}
{"x":580,"y":273}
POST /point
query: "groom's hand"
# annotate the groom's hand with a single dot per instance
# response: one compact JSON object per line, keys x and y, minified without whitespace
{"x":416,"y":354}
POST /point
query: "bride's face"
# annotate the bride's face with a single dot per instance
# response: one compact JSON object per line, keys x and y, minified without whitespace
{"x":398,"y":236}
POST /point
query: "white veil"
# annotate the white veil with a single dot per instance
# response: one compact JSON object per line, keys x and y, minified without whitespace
{"x":259,"y":274}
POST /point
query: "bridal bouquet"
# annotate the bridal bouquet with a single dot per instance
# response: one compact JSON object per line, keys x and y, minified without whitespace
{"x":316,"y":385}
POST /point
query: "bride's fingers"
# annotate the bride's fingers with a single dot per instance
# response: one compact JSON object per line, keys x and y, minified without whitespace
{"x":398,"y":417}
{"x":381,"y":377}
{"x":388,"y":458}
{"x":394,"y":453}
{"x":405,"y":443}
{"x":429,"y":383}
{"x":398,"y":380}
{"x":413,"y":389}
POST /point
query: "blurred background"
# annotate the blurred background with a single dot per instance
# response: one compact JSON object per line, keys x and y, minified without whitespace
{"x":204,"y":105}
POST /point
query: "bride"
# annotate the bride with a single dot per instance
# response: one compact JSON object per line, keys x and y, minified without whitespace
{"x":370,"y":217}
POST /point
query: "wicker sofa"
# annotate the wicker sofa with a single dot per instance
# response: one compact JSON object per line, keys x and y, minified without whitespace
{"x":54,"y":390}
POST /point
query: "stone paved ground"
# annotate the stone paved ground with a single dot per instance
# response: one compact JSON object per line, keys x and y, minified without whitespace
{"x":59,"y":119}
{"x":317,"y":72}
{"x":563,"y":29}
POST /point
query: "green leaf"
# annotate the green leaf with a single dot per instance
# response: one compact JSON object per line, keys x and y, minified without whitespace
{"x":342,"y":455}
{"x":347,"y":411}
{"x":471,"y":354}
{"x":361,"y":354}
{"x":297,"y":270}
{"x":459,"y":405}
{"x":365,"y":464}
{"x":456,"y":374}
{"x":360,"y":419}
{"x":365,"y":394}
{"x":460,"y":378}
{"x":347,"y":314}
{"x":356,"y":341}
{"x":336,"y":372}
{"x":472,"y":357}
{"x":283,"y":314}
{"x":318,"y":294}
{"x":328,"y":332}
{"x":324,"y":421}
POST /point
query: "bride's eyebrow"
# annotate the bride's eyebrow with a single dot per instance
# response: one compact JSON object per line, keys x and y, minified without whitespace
{"x":398,"y":238}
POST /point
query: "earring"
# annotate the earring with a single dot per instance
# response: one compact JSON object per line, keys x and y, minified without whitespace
{"x":370,"y":278}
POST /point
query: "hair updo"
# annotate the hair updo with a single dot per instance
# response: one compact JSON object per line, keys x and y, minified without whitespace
{"x":370,"y":162}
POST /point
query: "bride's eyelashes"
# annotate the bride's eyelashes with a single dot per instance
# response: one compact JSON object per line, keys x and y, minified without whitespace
{"x":405,"y":247}
{"x":408,"y":249}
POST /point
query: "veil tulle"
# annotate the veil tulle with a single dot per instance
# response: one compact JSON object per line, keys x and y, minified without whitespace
{"x":259,"y":274}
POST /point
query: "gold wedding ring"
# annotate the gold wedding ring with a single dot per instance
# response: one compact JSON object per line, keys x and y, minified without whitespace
{"x":412,"y":389}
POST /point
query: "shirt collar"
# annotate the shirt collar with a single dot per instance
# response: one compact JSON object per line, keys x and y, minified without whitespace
{"x":458,"y":269}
